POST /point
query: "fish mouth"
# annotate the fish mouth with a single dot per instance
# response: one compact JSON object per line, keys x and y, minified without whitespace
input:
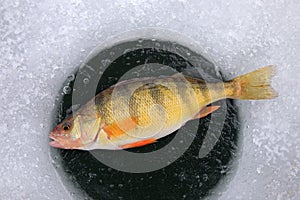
{"x":55,"y":143}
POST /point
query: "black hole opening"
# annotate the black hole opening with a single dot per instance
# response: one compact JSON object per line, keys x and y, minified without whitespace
{"x":189,"y":177}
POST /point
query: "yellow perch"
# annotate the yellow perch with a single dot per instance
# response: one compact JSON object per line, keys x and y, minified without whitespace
{"x":137,"y":112}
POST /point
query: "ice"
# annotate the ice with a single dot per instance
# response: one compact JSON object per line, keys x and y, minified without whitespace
{"x":41,"y":43}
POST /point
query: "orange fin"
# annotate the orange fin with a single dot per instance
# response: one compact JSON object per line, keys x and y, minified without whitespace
{"x":119,"y":128}
{"x":206,"y":111}
{"x":139,"y":143}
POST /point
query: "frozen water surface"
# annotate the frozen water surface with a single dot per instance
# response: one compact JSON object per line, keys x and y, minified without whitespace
{"x":42,"y":42}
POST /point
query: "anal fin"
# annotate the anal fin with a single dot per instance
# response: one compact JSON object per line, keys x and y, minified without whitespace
{"x":206,"y":111}
{"x":139,"y":143}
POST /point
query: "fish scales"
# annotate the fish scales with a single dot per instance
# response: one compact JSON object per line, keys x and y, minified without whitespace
{"x":174,"y":95}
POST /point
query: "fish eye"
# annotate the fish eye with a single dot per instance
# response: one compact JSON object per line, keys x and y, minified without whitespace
{"x":67,"y":126}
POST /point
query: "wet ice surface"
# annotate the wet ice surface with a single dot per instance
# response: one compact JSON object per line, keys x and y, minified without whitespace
{"x":42,"y":42}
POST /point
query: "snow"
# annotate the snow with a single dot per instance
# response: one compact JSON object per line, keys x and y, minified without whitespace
{"x":41,"y":43}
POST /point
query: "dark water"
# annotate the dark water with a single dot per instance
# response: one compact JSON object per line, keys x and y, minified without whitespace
{"x":189,"y":177}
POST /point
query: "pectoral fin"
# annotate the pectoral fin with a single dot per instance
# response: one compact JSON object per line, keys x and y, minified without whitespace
{"x":119,"y":128}
{"x":139,"y":143}
{"x":206,"y":111}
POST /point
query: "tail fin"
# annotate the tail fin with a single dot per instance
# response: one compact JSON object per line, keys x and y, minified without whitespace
{"x":255,"y":85}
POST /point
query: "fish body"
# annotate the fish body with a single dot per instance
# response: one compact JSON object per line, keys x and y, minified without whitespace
{"x":137,"y":112}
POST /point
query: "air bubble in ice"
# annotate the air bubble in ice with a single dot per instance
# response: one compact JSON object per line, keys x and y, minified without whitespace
{"x":67,"y":89}
{"x":86,"y":80}
{"x":71,"y":77}
{"x":105,"y":62}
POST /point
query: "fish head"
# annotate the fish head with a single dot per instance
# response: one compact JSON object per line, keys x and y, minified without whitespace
{"x":76,"y":132}
{"x":65,"y":135}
